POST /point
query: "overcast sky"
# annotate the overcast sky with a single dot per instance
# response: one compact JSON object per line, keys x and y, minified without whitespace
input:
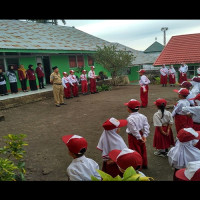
{"x":137,"y":34}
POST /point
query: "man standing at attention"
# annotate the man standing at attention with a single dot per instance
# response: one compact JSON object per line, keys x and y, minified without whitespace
{"x":58,"y":89}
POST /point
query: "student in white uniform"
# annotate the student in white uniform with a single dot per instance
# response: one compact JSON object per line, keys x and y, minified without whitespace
{"x":144,"y":88}
{"x":81,"y":168}
{"x":92,"y":77}
{"x":188,"y":85}
{"x":163,"y":135}
{"x":163,"y":75}
{"x":195,"y":112}
{"x":184,"y":150}
{"x":109,"y":140}
{"x":126,"y":158}
{"x":195,"y":81}
{"x":183,"y":72}
{"x":182,"y":120}
{"x":137,"y":129}
{"x":190,"y":173}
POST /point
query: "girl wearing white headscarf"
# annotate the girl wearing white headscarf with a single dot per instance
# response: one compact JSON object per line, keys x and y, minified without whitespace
{"x":110,"y":140}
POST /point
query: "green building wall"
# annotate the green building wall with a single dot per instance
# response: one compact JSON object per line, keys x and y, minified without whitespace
{"x":62,"y":61}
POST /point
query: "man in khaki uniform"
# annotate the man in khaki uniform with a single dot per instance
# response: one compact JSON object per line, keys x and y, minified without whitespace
{"x":58,"y":89}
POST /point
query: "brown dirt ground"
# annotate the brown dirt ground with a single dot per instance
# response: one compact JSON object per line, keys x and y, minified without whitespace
{"x":44,"y":124}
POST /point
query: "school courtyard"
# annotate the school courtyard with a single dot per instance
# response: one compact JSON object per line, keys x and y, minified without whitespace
{"x":44,"y":124}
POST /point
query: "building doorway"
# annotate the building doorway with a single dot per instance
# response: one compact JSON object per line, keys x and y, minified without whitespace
{"x":47,"y":70}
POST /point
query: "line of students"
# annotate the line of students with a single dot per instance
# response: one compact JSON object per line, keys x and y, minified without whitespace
{"x":23,"y":75}
{"x":70,"y":83}
{"x":171,"y":73}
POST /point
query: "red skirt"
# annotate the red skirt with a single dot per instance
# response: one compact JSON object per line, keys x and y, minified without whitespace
{"x":172,"y":79}
{"x":163,"y":79}
{"x":111,"y":169}
{"x":161,"y":141}
{"x":183,"y":121}
{"x":182,"y":77}
{"x":144,"y":95}
{"x":138,"y":146}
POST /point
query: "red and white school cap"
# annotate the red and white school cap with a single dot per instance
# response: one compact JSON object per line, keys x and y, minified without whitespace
{"x":93,"y":67}
{"x":142,"y":71}
{"x":75,"y":143}
{"x":133,"y":103}
{"x":190,"y":173}
{"x":187,"y":134}
{"x":126,"y":158}
{"x":113,"y":123}
{"x":71,"y":71}
{"x":160,"y":101}
{"x":182,"y":91}
{"x":196,"y":98}
{"x":84,"y":71}
{"x":186,"y":84}
{"x":64,"y":72}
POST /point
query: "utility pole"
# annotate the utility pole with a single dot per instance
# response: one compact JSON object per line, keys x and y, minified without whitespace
{"x":164,"y":29}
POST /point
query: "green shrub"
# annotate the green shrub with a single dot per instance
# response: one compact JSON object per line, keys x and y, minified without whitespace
{"x":12,"y":166}
{"x":103,"y":87}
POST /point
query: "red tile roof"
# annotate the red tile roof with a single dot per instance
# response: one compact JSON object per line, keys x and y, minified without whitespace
{"x":180,"y":48}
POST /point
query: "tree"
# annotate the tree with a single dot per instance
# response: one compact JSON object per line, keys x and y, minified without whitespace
{"x":52,"y":21}
{"x":115,"y":61}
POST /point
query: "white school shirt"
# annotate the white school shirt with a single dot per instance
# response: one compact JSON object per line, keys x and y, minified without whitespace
{"x":182,"y":153}
{"x":83,"y":77}
{"x":108,"y":141}
{"x":91,"y":74}
{"x":178,"y":107}
{"x":183,"y":69}
{"x":171,"y":71}
{"x":144,"y":80}
{"x":196,"y":87}
{"x":191,"y":95}
{"x":137,"y":122}
{"x":195,"y":111}
{"x":167,"y":118}
{"x":65,"y":80}
{"x":73,"y":79}
{"x":164,"y":71}
{"x":82,"y":168}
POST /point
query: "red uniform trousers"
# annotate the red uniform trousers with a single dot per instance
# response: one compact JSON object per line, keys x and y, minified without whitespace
{"x":144,"y":95}
{"x":161,"y":141}
{"x":163,"y":79}
{"x":75,"y":89}
{"x":172,"y":79}
{"x":84,"y":86}
{"x":183,"y":121}
{"x":182,"y":77}
{"x":138,"y":146}
{"x":67,"y":91}
{"x":92,"y":85}
{"x":111,"y":169}
{"x":196,"y":127}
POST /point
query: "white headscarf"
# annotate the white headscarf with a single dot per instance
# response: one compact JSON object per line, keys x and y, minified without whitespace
{"x":110,"y":140}
{"x":182,"y":153}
